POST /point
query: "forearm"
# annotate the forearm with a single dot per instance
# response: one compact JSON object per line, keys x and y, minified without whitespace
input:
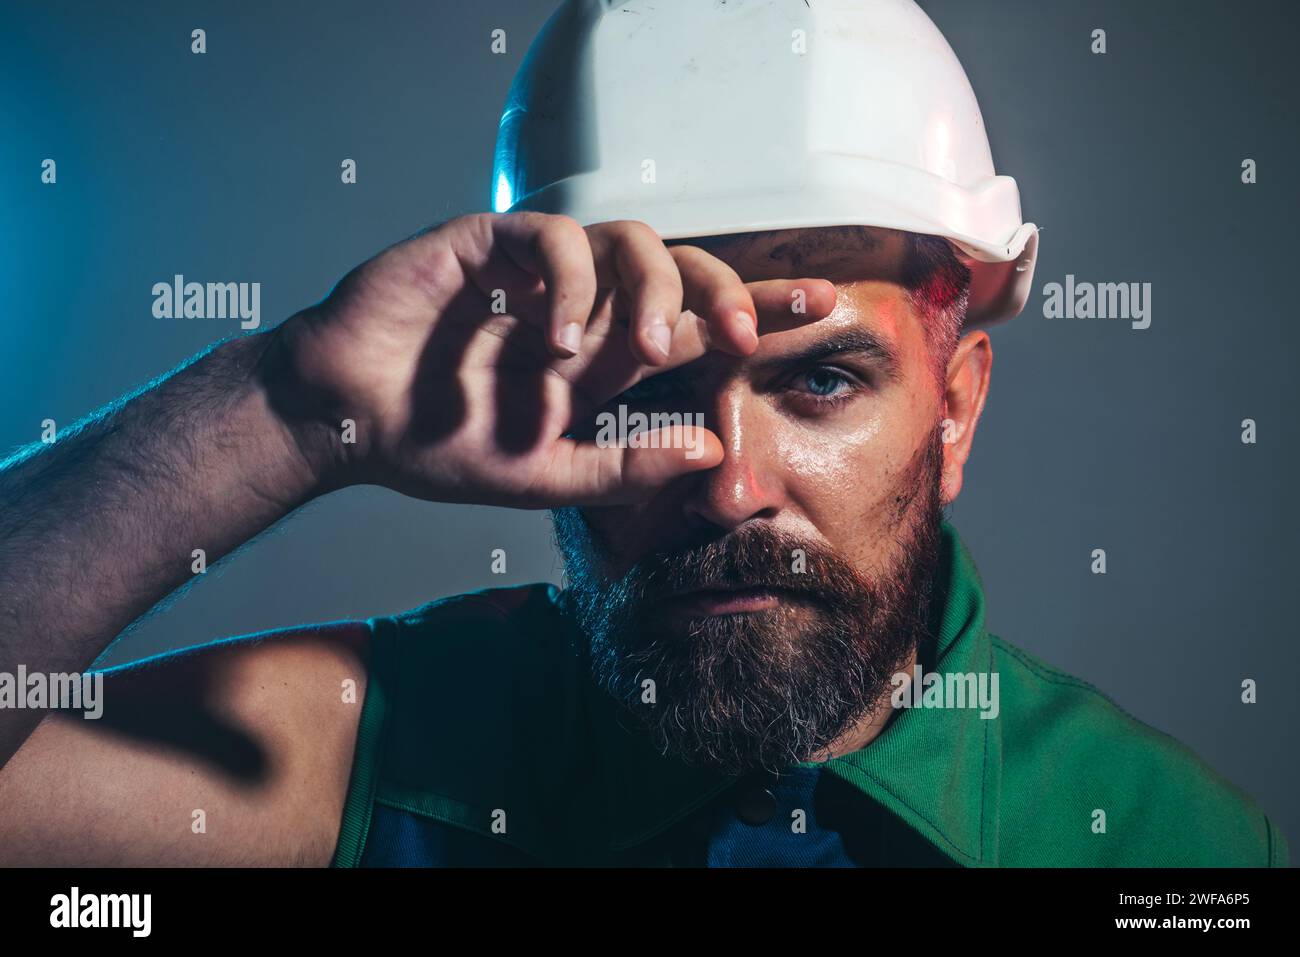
{"x":99,"y":526}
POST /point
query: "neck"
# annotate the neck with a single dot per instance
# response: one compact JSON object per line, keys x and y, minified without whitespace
{"x":870,"y":726}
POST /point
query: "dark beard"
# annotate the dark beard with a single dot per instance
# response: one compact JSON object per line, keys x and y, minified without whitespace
{"x":768,"y":688}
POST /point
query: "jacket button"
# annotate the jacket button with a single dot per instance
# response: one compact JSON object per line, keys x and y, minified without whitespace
{"x":757,"y":805}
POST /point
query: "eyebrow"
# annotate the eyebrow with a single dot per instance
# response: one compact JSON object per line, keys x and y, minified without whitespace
{"x":878,"y":350}
{"x":859,"y":341}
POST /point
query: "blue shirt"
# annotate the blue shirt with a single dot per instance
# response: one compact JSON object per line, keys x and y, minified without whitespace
{"x":772,"y":822}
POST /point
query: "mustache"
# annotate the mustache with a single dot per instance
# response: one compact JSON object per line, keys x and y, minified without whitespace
{"x":761,"y":556}
{"x":736,"y":692}
{"x":749,"y":557}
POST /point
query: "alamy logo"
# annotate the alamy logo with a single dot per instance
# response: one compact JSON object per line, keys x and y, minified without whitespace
{"x":1101,"y":300}
{"x":179,"y":299}
{"x":103,"y":910}
{"x":68,"y":691}
{"x":953,"y":689}
{"x":637,"y":430}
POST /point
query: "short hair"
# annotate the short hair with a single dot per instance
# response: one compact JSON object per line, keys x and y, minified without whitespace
{"x":938,"y":287}
{"x":936,"y":281}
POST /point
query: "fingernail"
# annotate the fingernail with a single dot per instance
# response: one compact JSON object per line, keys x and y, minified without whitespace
{"x":748,"y":324}
{"x":662,"y":337}
{"x":570,"y":337}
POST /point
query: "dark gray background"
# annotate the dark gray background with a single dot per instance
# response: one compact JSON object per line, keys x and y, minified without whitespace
{"x":225,"y":167}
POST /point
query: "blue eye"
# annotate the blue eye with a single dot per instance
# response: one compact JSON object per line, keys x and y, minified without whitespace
{"x":824,"y":382}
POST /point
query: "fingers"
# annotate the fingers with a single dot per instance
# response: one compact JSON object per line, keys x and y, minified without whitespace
{"x":659,"y":286}
{"x":631,"y":256}
{"x":586,"y":473}
{"x":555,"y":248}
{"x":716,"y":294}
{"x":716,"y":307}
{"x":779,"y":303}
{"x":786,"y":303}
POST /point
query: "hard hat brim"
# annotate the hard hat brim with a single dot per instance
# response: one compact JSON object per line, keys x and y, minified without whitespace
{"x":982,"y":223}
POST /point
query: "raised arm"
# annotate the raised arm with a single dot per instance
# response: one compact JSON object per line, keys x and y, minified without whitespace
{"x":457,"y":366}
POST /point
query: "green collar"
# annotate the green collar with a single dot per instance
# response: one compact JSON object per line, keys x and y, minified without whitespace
{"x":934,"y":768}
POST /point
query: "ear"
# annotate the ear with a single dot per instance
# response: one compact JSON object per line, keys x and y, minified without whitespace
{"x":963,"y":401}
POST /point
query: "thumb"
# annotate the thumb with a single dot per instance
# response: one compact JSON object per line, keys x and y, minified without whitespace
{"x":587,"y":473}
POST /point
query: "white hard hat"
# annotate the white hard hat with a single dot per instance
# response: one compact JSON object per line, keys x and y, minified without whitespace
{"x":704,"y":117}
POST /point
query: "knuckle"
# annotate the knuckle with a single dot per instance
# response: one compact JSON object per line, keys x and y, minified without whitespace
{"x":657,"y":286}
{"x":436,"y":268}
{"x":635,"y":233}
{"x":469,"y":221}
{"x":643,"y":230}
{"x":685,"y":254}
{"x":561,"y":226}
{"x":724,"y":302}
{"x":560,"y":235}
{"x":526,"y":217}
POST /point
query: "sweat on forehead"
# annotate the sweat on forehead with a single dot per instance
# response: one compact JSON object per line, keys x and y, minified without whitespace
{"x":937,"y":282}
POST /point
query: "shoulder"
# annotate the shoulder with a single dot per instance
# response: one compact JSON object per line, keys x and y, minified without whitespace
{"x":257,"y":730}
{"x":1082,"y":775}
{"x":476,"y":708}
{"x":277,"y":710}
{"x":519,"y":627}
{"x":496,"y":648}
{"x":287,"y":671}
{"x":285,"y":666}
{"x":518,"y":604}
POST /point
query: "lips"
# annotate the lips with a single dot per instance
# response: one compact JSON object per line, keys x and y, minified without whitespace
{"x":734,"y":599}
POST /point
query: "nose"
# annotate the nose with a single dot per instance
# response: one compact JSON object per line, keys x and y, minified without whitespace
{"x":746,"y":485}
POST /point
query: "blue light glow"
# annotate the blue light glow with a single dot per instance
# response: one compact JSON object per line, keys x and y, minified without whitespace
{"x":504,"y":198}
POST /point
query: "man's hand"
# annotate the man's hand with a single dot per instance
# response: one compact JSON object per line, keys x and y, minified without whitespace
{"x":465,"y":354}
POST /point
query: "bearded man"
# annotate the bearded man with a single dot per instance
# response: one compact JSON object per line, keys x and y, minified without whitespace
{"x":744,"y":600}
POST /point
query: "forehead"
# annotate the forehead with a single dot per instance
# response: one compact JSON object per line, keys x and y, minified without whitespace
{"x":841,"y":254}
{"x":865,"y":263}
